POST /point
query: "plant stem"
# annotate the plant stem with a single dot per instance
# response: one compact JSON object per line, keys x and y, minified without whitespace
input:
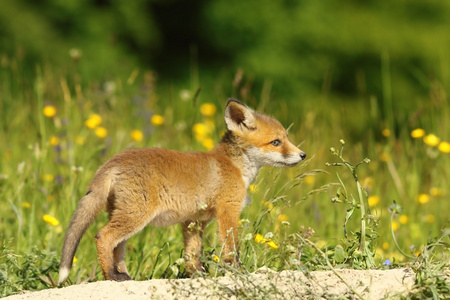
{"x":362,"y":245}
{"x":395,"y":240}
{"x":352,"y":169}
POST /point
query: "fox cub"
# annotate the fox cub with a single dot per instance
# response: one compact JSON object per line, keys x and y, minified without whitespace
{"x":162,"y":187}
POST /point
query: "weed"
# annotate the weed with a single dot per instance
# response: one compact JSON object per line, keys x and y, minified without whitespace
{"x":30,"y":271}
{"x":360,"y":249}
{"x":431,"y":265}
{"x":432,"y":269}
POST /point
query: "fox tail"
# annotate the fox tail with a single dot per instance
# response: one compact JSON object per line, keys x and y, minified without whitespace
{"x":87,"y":211}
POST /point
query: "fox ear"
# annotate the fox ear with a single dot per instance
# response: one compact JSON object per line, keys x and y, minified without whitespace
{"x":239,"y":117}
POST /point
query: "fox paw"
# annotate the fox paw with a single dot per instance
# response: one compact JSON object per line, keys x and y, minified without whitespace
{"x":117,"y":276}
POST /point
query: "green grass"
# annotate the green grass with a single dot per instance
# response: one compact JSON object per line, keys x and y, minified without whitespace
{"x":48,"y":162}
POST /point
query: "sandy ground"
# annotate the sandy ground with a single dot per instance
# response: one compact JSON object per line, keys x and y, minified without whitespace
{"x":263,"y":284}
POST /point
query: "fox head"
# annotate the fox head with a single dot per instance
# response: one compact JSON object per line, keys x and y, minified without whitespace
{"x":263,"y":138}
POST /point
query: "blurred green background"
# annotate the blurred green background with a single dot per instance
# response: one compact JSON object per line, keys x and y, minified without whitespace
{"x":303,"y":47}
{"x":370,"y":72}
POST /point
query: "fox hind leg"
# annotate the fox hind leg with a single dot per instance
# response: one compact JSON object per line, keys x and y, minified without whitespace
{"x":119,"y":257}
{"x":111,"y":241}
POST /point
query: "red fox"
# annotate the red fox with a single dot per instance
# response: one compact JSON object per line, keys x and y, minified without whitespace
{"x":161,"y":187}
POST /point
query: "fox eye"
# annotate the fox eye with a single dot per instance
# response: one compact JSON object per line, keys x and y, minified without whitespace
{"x":276,"y":143}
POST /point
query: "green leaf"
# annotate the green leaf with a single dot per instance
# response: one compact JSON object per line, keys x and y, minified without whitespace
{"x":339,"y":254}
{"x":347,"y":217}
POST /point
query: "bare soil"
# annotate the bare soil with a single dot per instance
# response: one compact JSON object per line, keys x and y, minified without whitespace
{"x":263,"y":284}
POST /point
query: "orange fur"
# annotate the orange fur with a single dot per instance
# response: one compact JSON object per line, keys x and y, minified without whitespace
{"x":161,"y":187}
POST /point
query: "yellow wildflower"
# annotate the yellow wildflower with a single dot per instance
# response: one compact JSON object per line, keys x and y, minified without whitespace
{"x":48,"y":177}
{"x":259,"y":238}
{"x":201,"y":131}
{"x":385,"y":246}
{"x":208,"y":144}
{"x":200,"y":128}
{"x":50,"y":220}
{"x":252,"y":188}
{"x":431,"y":140}
{"x":157,"y":120}
{"x":216,"y":258}
{"x":74,"y":260}
{"x":403,"y":219}
{"x":385,"y":157}
{"x":101,"y":132}
{"x":310,"y":179}
{"x":273,"y":245}
{"x":282,"y":218}
{"x":208,"y":109}
{"x":430,"y":218}
{"x":436,"y":192}
{"x":418,"y":133}
{"x":423,"y":198}
{"x":395,"y":225}
{"x":93,"y":121}
{"x":54,"y":141}
{"x":49,"y":111}
{"x":137,"y":135}
{"x":386,"y":132}
{"x":26,"y":204}
{"x":373,"y":200}
{"x":444,"y":147}
{"x":268,"y":205}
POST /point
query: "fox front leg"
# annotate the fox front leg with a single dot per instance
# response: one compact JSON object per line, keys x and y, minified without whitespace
{"x":228,"y":222}
{"x":193,"y":244}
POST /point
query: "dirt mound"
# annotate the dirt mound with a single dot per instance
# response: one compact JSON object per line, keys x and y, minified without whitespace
{"x":368,"y":284}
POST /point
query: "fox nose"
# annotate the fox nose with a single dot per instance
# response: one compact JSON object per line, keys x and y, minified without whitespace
{"x":303,"y":155}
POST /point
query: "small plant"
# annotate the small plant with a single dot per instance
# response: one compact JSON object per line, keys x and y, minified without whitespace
{"x":360,"y":248}
{"x":430,"y":265}
{"x":29,"y":271}
{"x":432,"y":269}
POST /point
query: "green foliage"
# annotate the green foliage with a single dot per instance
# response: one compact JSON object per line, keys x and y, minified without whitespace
{"x":27,"y":271}
{"x":356,"y":81}
{"x":363,"y":254}
{"x":101,"y":33}
{"x":307,"y":47}
{"x":430,"y":265}
{"x":431,"y":268}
